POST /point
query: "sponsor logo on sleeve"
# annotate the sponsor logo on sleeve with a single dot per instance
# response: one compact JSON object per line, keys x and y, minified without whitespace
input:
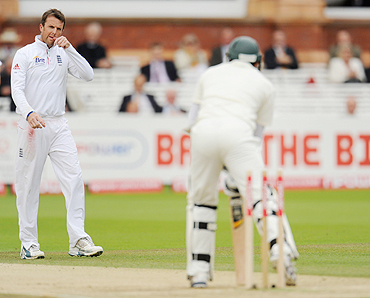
{"x":16,"y":67}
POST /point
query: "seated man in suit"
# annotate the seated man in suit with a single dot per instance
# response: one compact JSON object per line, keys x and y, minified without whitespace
{"x":159,"y":70}
{"x":140,"y":102}
{"x":5,"y":90}
{"x":280,"y":55}
{"x":219,"y":53}
{"x":91,"y":50}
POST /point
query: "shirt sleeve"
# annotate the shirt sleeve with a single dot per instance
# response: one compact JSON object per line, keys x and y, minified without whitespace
{"x":360,"y":71}
{"x":198,"y":93}
{"x":18,"y":83}
{"x":265,"y":113}
{"x":193,"y":114}
{"x":336,"y":72}
{"x":78,"y":66}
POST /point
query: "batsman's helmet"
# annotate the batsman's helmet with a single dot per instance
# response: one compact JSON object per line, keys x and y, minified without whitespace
{"x":244,"y":48}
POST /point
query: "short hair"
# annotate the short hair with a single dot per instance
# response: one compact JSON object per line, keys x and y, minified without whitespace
{"x":95,"y":26}
{"x":55,"y":13}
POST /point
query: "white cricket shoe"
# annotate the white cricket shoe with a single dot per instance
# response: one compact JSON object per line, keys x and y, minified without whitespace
{"x":290,"y":270}
{"x":32,"y":253}
{"x":290,"y":274}
{"x":85,"y":247}
{"x":199,"y":280}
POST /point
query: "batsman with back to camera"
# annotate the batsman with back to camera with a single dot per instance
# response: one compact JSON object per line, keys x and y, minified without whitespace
{"x":38,"y":79}
{"x":232,"y":104}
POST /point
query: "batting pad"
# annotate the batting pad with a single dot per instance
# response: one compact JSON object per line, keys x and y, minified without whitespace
{"x":201,"y":238}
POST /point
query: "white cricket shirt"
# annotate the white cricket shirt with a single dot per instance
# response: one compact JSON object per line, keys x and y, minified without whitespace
{"x":39,"y":77}
{"x":235,"y":90}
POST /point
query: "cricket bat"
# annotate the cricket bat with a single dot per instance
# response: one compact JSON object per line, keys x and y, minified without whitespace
{"x":242,"y":235}
{"x":237,"y":232}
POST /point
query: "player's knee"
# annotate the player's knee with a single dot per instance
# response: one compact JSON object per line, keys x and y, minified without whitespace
{"x":231,"y":189}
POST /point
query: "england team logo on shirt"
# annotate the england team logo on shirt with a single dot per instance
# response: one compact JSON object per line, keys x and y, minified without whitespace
{"x":38,"y":60}
{"x":59,"y":59}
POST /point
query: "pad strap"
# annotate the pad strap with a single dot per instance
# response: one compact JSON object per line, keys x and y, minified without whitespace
{"x":211,"y":226}
{"x":202,"y":257}
{"x":207,"y":206}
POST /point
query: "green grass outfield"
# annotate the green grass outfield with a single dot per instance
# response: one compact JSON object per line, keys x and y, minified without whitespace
{"x":331,"y":228}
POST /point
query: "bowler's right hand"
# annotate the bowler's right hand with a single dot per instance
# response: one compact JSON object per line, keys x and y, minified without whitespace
{"x":35,"y":120}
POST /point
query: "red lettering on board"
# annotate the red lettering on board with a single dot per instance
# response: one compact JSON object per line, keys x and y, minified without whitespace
{"x":164,"y":149}
{"x":309,"y":149}
{"x":344,"y":146}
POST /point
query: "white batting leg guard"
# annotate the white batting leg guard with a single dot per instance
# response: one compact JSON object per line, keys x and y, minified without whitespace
{"x":200,"y":241}
{"x":236,"y":202}
{"x":290,"y":248}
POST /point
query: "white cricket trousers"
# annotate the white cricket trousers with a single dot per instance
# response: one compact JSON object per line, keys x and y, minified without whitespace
{"x":219,"y":142}
{"x":34,"y":145}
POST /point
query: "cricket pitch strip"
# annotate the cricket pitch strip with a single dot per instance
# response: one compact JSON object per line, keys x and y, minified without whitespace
{"x":32,"y":280}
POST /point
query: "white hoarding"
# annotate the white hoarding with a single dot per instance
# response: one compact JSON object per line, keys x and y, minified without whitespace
{"x":124,"y":150}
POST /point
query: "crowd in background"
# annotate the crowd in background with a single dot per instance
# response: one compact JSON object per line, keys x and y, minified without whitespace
{"x":344,"y":65}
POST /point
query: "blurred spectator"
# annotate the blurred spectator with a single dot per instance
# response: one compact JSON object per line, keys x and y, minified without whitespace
{"x":190,"y":55}
{"x":5,"y":82}
{"x":219,"y":53}
{"x":351,"y":105}
{"x":8,"y":43}
{"x":346,"y":68}
{"x":68,"y":107}
{"x":1,"y":64}
{"x":91,"y":50}
{"x":159,"y":70}
{"x":343,"y":38}
{"x":139,"y":101}
{"x":171,"y":107}
{"x":280,"y":55}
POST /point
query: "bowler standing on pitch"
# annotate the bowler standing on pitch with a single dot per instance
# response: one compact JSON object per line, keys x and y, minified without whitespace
{"x":232,"y":103}
{"x":38,"y":79}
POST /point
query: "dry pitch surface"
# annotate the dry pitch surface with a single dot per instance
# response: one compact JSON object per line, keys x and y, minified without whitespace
{"x":65,"y":281}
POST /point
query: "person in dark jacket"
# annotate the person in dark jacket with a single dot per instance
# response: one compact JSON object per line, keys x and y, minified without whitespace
{"x":92,"y":50}
{"x":219,"y":53}
{"x":280,"y":55}
{"x":159,"y":70}
{"x":139,"y":101}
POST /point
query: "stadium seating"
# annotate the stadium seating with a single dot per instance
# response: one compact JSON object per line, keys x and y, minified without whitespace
{"x":305,"y":90}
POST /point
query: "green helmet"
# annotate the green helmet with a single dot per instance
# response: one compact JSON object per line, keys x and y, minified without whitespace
{"x":244,"y":48}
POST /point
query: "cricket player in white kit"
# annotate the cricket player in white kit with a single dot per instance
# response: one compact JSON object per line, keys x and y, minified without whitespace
{"x":232,"y":103}
{"x":38,"y":79}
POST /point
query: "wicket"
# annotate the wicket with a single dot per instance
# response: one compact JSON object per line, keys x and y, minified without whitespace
{"x":249,"y":239}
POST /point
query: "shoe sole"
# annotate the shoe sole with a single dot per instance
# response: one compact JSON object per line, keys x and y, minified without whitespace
{"x":33,"y":258}
{"x":199,"y":285}
{"x":290,"y":282}
{"x":80,"y":254}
